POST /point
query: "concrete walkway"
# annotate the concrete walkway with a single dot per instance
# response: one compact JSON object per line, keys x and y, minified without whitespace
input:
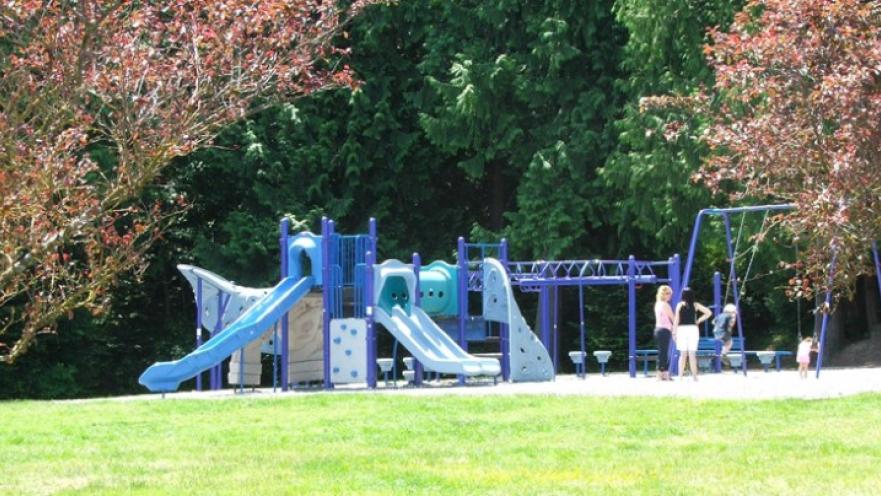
{"x":833,"y":383}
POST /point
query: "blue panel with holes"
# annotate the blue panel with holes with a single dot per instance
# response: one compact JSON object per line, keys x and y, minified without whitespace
{"x":528,"y":357}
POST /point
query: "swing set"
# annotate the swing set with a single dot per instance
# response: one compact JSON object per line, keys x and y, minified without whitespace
{"x":732,"y":246}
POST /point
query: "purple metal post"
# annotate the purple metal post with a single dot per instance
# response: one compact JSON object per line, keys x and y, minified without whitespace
{"x":717,"y":308}
{"x":417,"y":301}
{"x":283,"y":240}
{"x":826,"y":312}
{"x":371,"y":325}
{"x":689,"y":260}
{"x":675,"y":276}
{"x":674,"y":273}
{"x":198,"y":326}
{"x":582,"y":330}
{"x":327,"y":292}
{"x":462,"y":260}
{"x":631,"y":314}
{"x":556,"y":330}
{"x":212,"y":374}
{"x":732,"y":278}
{"x":717,"y":292}
{"x":274,"y":357}
{"x":370,"y":257}
{"x":543,"y":316}
{"x":504,"y":329}
{"x":215,"y":372}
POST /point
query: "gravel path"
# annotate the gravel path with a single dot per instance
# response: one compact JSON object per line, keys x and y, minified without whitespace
{"x":757,"y":385}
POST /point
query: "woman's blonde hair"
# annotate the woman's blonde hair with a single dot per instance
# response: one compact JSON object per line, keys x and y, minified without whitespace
{"x":663,"y":290}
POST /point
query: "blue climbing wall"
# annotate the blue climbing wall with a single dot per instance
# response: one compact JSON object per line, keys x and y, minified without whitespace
{"x":529,"y":359}
{"x":348,"y":350}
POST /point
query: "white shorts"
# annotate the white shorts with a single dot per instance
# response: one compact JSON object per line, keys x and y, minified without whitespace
{"x":687,"y":338}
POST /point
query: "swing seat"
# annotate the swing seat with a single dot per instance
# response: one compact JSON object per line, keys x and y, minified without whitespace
{"x":766,"y":358}
{"x":602,"y":357}
{"x":735,"y":358}
{"x":577,"y":357}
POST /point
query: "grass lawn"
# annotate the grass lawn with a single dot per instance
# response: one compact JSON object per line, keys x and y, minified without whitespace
{"x":378,"y":444}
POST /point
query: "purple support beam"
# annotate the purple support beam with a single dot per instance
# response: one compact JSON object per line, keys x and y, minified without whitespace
{"x":582,"y":329}
{"x":284,"y":230}
{"x":556,"y":329}
{"x":717,"y":292}
{"x":675,"y":276}
{"x":274,"y":357}
{"x":676,"y":284}
{"x":462,"y":260}
{"x":544,"y":304}
{"x":689,"y":260}
{"x":198,"y":326}
{"x":370,"y":257}
{"x":826,"y":311}
{"x":417,"y":301}
{"x":504,"y":329}
{"x":215,"y":376}
{"x":732,"y":278}
{"x":631,"y":315}
{"x":212,"y":373}
{"x":717,"y":309}
{"x":327,"y":293}
{"x":720,"y":211}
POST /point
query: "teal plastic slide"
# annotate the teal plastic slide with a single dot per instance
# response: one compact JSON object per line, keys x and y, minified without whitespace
{"x":433,"y":347}
{"x":167,"y":376}
{"x":394,"y":291}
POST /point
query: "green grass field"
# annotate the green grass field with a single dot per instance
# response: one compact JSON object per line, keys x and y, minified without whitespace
{"x":378,"y":444}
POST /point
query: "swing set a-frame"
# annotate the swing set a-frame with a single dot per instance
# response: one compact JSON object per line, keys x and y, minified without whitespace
{"x":731,"y":247}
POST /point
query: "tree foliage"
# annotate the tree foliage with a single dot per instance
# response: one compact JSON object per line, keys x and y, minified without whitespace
{"x":799,"y":89}
{"x":522,"y":105}
{"x":138,"y":83}
{"x":646,"y":182}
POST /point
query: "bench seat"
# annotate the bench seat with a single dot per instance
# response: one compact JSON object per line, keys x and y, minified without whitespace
{"x":707,"y":347}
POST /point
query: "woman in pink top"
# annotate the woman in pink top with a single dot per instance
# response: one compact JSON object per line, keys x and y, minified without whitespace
{"x":663,"y":330}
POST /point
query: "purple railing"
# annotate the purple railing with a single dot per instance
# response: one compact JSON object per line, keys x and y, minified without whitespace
{"x":531,"y":275}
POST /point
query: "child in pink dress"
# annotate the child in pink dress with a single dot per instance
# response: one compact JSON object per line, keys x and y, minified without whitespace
{"x":803,"y":356}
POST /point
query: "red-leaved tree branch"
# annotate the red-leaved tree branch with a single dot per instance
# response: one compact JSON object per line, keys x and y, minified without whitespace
{"x":795,"y":117}
{"x":144,"y":82}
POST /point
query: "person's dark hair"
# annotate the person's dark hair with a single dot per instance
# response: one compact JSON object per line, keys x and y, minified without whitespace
{"x":688,"y":296}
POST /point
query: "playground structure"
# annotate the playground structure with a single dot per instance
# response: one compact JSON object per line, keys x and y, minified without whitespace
{"x":339,"y":274}
{"x":319,"y":322}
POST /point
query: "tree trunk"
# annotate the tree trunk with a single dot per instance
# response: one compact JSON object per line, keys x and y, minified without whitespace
{"x":871,"y":300}
{"x":498,"y":196}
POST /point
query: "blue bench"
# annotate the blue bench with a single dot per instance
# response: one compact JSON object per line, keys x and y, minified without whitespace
{"x":713,"y":348}
{"x":646,"y":356}
{"x":707,"y":348}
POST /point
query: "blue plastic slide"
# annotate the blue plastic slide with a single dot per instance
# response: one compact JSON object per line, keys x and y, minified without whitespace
{"x":167,"y":376}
